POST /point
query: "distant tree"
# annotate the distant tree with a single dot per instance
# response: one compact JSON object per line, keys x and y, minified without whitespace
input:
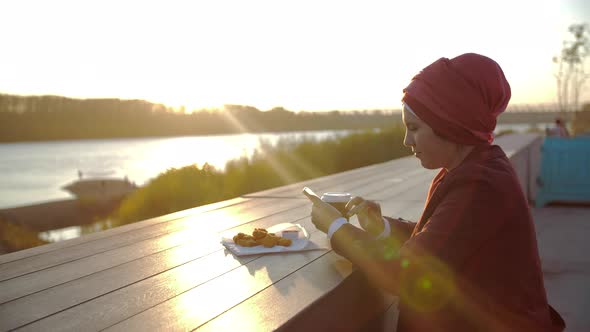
{"x":279,"y":109}
{"x":571,"y":73}
{"x":32,"y":118}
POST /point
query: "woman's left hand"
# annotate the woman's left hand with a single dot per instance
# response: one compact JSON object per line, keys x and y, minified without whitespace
{"x":323,"y":214}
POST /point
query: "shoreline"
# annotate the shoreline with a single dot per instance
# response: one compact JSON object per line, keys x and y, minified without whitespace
{"x":22,"y":225}
{"x":58,"y":214}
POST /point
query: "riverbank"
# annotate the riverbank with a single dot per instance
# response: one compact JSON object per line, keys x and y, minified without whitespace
{"x":58,"y":214}
{"x":20,"y":227}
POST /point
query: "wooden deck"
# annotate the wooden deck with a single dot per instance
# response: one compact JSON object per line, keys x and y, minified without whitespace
{"x":172,"y":273}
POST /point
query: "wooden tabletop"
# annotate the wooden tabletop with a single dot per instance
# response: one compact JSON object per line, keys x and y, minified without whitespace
{"x":172,"y":272}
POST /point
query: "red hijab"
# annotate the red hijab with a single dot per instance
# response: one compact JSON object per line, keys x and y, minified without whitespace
{"x":460,"y":98}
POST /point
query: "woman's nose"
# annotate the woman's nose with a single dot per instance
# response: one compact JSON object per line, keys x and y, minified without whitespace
{"x":408,"y":141}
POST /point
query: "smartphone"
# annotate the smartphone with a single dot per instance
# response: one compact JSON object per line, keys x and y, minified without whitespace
{"x":310,"y":194}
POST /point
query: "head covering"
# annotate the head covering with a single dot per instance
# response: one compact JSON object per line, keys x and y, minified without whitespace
{"x":409,"y":109}
{"x":460,"y":98}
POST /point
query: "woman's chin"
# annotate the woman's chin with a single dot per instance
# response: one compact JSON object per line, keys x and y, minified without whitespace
{"x":427,"y":165}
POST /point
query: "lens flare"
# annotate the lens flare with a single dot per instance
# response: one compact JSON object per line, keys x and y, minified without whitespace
{"x":426,"y":284}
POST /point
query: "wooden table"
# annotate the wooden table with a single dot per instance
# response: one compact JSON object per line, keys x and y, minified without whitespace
{"x":172,"y":272}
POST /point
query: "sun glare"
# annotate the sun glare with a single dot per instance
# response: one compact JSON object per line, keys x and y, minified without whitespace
{"x":303,"y":55}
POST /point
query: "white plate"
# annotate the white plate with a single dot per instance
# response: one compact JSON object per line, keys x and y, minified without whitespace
{"x":298,"y":244}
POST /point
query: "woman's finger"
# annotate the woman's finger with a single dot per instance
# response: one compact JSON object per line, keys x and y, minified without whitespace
{"x":314,"y":214}
{"x":357,"y":209}
{"x":353,"y":202}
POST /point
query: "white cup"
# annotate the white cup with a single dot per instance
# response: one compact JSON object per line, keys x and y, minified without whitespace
{"x":337,"y":200}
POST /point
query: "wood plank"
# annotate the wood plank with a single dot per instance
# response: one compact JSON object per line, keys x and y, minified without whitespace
{"x":351,"y":180}
{"x":412,"y":188}
{"x":384,"y":187}
{"x":47,"y":303}
{"x":186,"y":311}
{"x":409,"y":210}
{"x":34,"y":282}
{"x":99,"y":311}
{"x":43,"y":303}
{"x":387,"y":169}
{"x":212,"y":275}
{"x":286,"y":305}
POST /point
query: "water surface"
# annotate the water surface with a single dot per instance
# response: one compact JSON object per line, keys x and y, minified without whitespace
{"x":34,"y":172}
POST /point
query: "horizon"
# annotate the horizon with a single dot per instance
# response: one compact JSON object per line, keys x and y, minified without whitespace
{"x":301,"y":56}
{"x":511,"y":106}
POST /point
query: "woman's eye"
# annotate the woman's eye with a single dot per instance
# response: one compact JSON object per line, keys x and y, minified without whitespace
{"x":412,"y":128}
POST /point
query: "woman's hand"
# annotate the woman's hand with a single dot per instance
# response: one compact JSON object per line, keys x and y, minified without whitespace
{"x":322,"y":213}
{"x":368,"y":214}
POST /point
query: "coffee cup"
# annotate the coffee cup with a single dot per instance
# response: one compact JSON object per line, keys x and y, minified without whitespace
{"x":337,"y":200}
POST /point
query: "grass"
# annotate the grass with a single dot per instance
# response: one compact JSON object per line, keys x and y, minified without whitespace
{"x":16,"y":237}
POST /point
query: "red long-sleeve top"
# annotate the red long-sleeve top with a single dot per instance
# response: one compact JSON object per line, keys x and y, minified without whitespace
{"x":471,"y":263}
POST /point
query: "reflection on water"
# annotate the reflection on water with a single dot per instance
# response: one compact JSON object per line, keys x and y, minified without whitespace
{"x":35,"y":171}
{"x":61,"y":234}
{"x":71,"y":232}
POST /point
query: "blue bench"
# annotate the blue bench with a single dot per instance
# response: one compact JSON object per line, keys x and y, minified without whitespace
{"x":565,"y":171}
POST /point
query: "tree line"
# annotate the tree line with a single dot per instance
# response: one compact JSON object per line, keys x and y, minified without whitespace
{"x":39,"y":118}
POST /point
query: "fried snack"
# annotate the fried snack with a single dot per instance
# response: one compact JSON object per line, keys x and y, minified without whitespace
{"x":282,"y":241}
{"x":259,"y":233}
{"x":261,"y":236}
{"x":262,"y":240}
{"x":247,"y":242}
{"x":270,"y":241}
{"x":239,"y":236}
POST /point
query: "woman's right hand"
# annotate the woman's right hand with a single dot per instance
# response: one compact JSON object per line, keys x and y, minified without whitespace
{"x":368,"y":214}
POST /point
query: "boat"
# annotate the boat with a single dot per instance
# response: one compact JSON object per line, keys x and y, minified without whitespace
{"x":100,"y":190}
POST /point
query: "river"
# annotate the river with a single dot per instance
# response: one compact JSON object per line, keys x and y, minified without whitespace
{"x":34,"y":172}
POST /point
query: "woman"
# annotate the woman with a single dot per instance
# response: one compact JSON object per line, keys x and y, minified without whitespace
{"x":471,"y":262}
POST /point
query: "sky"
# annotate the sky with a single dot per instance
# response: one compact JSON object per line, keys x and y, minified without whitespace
{"x":311,"y":55}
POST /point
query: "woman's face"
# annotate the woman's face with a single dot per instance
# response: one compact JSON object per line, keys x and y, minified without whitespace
{"x":432,"y":150}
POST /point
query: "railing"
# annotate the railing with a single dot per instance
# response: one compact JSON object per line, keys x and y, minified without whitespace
{"x":524,"y":151}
